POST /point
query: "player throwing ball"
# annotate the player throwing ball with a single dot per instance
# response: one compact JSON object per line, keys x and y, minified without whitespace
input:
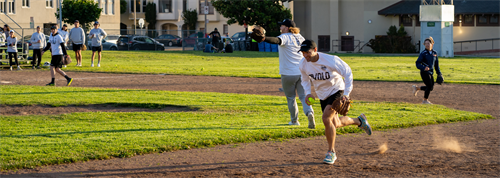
{"x":326,"y":72}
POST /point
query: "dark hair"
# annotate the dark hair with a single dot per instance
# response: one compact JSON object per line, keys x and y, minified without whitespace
{"x":430,"y":40}
{"x":208,"y":42}
{"x":6,"y":29}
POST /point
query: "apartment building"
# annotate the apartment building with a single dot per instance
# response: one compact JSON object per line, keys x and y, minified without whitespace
{"x":169,"y":16}
{"x":42,"y":13}
{"x":347,"y":25}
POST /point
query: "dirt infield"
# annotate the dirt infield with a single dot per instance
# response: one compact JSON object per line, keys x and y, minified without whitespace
{"x":468,"y":149}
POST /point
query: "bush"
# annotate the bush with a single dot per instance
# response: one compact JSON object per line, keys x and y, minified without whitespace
{"x":395,"y":41}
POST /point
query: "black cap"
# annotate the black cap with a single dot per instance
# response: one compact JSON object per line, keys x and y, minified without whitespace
{"x":215,"y":29}
{"x":76,"y":21}
{"x":53,"y":27}
{"x":65,"y":25}
{"x":307,"y":45}
{"x":288,"y":23}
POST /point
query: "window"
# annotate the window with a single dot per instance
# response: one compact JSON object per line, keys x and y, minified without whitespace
{"x":225,"y":29}
{"x":165,"y":6}
{"x":2,"y":7}
{"x":467,"y":20}
{"x":417,"y":20}
{"x":405,"y":20}
{"x":26,"y":3}
{"x":184,"y":5}
{"x":137,"y":6}
{"x":456,"y":23}
{"x":487,"y":20}
{"x":210,"y":7}
{"x":144,"y":3}
{"x":106,"y":7}
{"x":11,"y":7}
{"x":49,"y":3}
{"x":112,"y":6}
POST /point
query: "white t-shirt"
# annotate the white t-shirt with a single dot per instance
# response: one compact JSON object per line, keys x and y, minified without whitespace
{"x":289,"y":54}
{"x":326,"y":75}
{"x":55,"y":44}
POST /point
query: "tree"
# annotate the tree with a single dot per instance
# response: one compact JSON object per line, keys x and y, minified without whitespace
{"x":395,"y":41}
{"x":85,"y":11}
{"x":190,"y":18}
{"x":264,"y":13}
{"x":123,"y":6}
{"x":151,"y":15}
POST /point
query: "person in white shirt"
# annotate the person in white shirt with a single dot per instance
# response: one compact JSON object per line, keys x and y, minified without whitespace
{"x":97,"y":34}
{"x":56,"y":44}
{"x":3,"y":39}
{"x":288,"y":46}
{"x":12,"y":49}
{"x":332,"y":78}
{"x":64,"y":34}
{"x":38,"y":43}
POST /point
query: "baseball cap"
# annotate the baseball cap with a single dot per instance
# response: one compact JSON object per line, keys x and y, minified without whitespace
{"x":11,"y":31}
{"x":96,"y":22}
{"x":76,"y":21}
{"x":53,"y":27}
{"x":215,"y":29}
{"x":288,"y":23}
{"x":65,"y":25}
{"x":307,"y":45}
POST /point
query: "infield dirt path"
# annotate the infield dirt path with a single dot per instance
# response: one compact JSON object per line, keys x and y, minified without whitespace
{"x":467,"y":149}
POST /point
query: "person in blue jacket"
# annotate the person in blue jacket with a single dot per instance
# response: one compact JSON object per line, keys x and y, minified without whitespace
{"x":427,"y":62}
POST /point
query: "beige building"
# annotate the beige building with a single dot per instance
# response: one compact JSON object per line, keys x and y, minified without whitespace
{"x":169,"y":16}
{"x":347,"y":25}
{"x":41,"y":13}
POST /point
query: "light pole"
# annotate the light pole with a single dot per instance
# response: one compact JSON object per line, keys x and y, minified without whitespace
{"x":60,"y":13}
{"x":135,"y":17}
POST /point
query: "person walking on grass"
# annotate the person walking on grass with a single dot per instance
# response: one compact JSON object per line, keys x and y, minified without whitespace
{"x":326,"y":72}
{"x":12,"y":49}
{"x":97,"y":34}
{"x":56,"y":44}
{"x":77,"y":37}
{"x":3,"y":41}
{"x":427,"y":62}
{"x":38,"y":43}
{"x":289,"y":44}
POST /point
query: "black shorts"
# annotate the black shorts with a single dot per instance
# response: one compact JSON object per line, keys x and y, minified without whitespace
{"x":56,"y":61}
{"x":330,"y":99}
{"x":77,"y":47}
{"x":96,"y":48}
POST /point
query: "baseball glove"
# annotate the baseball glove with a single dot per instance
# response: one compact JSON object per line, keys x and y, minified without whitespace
{"x":258,"y":34}
{"x":440,"y":79}
{"x":342,"y":106}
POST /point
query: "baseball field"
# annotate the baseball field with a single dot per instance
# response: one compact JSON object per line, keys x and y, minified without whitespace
{"x":156,"y":110}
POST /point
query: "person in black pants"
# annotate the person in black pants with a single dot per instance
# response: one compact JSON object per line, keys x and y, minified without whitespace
{"x":215,"y":37}
{"x":38,"y":43}
{"x":427,"y":62}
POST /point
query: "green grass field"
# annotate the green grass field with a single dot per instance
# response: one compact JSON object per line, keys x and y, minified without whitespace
{"x":212,"y":119}
{"x":266,"y":65}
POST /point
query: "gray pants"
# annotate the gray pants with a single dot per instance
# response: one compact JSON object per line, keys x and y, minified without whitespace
{"x":291,"y":84}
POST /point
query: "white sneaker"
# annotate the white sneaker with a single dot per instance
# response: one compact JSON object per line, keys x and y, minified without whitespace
{"x":92,"y":65}
{"x":312,"y":123}
{"x":10,"y":68}
{"x":426,"y":102}
{"x":64,"y":66}
{"x":19,"y":68}
{"x":414,"y":90}
{"x":293,"y":123}
{"x":98,"y":65}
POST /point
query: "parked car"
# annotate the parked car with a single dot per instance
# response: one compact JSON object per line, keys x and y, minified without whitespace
{"x":191,"y":39}
{"x":240,"y":36}
{"x":107,"y":44}
{"x":130,"y":42}
{"x":169,"y":40}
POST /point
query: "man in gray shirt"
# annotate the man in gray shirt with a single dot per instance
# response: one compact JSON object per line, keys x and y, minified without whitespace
{"x":97,"y":34}
{"x":77,"y":37}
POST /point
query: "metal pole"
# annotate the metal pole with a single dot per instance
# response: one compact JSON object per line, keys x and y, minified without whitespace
{"x":135,"y":17}
{"x":205,"y":32}
{"x":60,"y":13}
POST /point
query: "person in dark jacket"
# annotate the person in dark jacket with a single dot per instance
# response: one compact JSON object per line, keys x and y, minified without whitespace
{"x":427,"y":62}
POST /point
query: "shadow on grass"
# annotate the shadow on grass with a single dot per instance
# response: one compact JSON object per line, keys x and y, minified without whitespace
{"x":64,"y":92}
{"x":134,"y":130}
